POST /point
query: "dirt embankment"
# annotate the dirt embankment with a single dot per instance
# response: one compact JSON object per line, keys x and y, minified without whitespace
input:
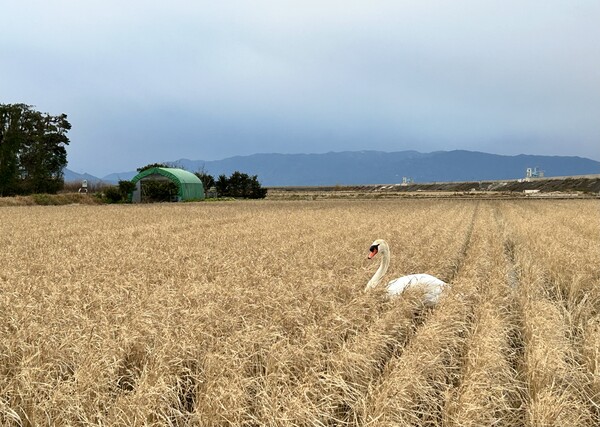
{"x":585,"y":185}
{"x":576,"y":186}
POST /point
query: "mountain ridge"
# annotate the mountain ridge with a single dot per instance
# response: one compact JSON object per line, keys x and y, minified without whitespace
{"x":378,"y":167}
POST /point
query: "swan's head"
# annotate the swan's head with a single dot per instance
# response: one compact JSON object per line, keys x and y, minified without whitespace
{"x":377,"y":246}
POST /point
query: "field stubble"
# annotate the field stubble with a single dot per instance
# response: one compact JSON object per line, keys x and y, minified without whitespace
{"x":254,"y":314}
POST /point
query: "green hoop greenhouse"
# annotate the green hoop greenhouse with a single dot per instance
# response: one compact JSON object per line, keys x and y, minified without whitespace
{"x":189,"y":186}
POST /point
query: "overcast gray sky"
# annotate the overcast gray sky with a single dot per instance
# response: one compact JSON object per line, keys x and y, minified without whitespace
{"x":144,"y":81}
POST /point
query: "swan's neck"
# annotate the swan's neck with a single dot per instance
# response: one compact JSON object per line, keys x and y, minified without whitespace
{"x":385,"y":263}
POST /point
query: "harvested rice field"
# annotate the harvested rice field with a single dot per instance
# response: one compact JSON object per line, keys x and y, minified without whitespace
{"x":254,"y":314}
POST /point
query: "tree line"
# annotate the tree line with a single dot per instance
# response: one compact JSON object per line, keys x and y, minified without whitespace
{"x":238,"y":184}
{"x":32,"y":150}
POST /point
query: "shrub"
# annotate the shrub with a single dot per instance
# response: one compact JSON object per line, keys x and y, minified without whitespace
{"x":126,"y":188}
{"x":113,"y":195}
{"x":42,"y":199}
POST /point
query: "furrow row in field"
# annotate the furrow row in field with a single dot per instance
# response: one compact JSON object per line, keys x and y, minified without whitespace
{"x":416,"y":384}
{"x":456,"y":262}
{"x":490,"y":391}
{"x":555,"y":366}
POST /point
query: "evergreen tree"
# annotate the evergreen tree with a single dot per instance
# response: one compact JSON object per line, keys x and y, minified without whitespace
{"x":222,"y":185}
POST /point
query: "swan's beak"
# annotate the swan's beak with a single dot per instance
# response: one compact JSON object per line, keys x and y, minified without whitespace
{"x":372,"y":253}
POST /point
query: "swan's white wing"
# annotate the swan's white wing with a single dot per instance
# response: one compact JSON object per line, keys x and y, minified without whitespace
{"x":432,"y":286}
{"x":397,"y":286}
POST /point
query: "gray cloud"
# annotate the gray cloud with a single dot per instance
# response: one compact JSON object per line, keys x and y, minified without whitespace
{"x":205,"y":80}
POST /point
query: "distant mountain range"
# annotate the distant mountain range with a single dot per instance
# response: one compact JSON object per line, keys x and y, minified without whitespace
{"x":374,"y":167}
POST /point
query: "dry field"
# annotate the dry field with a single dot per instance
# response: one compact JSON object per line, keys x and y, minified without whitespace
{"x":253,"y":314}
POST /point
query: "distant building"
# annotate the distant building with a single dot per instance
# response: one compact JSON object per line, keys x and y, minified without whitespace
{"x":534,"y":173}
{"x":407,"y":180}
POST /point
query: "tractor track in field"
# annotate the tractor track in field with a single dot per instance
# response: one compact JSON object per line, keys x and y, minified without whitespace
{"x":403,"y":333}
{"x":486,"y":248}
{"x":361,"y":361}
{"x":420,"y":315}
{"x":458,"y":262}
{"x":525,"y":346}
{"x":517,"y":340}
{"x":439,"y":370}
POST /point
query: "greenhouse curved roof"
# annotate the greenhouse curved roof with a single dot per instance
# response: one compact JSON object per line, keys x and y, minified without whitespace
{"x":179,"y":175}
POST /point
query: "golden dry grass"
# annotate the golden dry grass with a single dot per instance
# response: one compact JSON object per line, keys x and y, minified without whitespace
{"x":253,"y":314}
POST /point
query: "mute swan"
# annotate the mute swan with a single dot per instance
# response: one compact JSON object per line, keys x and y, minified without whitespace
{"x":432,"y":286}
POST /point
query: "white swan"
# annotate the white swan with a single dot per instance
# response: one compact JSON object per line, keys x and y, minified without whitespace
{"x":432,"y":286}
